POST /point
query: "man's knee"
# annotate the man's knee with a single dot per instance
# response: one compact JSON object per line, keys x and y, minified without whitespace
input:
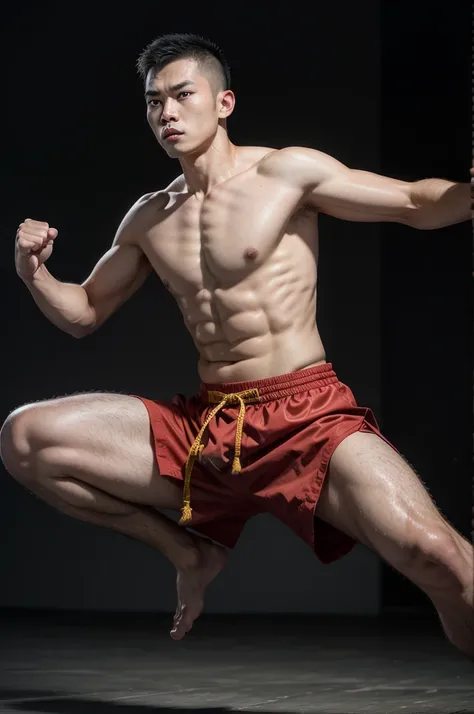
{"x":22,"y":435}
{"x":438,"y":562}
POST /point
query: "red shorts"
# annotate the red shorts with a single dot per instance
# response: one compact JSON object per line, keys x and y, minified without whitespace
{"x":290,"y":426}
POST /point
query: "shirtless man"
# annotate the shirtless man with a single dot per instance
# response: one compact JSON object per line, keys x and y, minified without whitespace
{"x":235,"y":240}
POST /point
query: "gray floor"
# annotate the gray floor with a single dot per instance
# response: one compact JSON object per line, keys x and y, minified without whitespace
{"x":123,"y":664}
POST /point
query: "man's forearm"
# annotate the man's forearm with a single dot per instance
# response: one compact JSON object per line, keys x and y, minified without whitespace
{"x":440,"y":203}
{"x":65,"y":305}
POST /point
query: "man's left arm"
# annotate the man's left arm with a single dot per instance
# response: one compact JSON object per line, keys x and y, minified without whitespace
{"x":355,"y":195}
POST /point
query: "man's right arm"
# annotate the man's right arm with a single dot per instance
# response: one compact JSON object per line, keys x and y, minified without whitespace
{"x":81,"y":309}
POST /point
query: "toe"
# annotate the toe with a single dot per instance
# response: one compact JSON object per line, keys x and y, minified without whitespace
{"x":179,"y":626}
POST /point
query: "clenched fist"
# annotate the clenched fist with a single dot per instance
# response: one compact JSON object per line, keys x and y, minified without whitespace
{"x":34,"y":245}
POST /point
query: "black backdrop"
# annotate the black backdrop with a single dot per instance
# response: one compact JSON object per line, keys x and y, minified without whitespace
{"x":77,"y":151}
{"x":426,"y":299}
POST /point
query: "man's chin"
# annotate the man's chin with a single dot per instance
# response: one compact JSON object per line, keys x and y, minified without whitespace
{"x":174,"y":151}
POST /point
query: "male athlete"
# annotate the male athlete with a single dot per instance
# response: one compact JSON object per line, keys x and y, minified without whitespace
{"x":235,"y":239}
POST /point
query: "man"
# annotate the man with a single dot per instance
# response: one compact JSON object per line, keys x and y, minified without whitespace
{"x":234,"y":238}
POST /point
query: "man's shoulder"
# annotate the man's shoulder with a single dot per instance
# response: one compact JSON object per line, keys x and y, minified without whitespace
{"x":141,"y":216}
{"x":155,"y":201}
{"x":288,"y":157}
{"x":298,"y":165}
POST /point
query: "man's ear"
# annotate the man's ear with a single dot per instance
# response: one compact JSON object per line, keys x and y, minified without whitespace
{"x":226,"y":100}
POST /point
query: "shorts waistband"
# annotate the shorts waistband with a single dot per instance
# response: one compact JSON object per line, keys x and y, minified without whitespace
{"x":283,"y":385}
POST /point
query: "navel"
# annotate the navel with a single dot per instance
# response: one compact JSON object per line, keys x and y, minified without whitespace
{"x":251,"y":254}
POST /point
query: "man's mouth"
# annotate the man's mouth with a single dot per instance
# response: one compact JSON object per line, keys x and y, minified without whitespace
{"x":171,"y":134}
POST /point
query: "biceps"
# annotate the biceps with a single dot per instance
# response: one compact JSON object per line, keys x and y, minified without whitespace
{"x":363,"y":196}
{"x":117,"y":275}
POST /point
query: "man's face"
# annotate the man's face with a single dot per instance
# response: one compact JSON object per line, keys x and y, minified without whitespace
{"x":180,"y":99}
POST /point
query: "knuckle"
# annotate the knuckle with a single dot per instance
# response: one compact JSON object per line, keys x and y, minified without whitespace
{"x":38,"y":224}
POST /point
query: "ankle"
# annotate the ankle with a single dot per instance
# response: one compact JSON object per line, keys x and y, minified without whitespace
{"x":188,"y":558}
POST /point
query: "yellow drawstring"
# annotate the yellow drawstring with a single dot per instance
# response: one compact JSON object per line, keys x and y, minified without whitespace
{"x":248,"y":395}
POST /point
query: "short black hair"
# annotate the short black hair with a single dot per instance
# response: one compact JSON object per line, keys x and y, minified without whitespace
{"x":175,"y":46}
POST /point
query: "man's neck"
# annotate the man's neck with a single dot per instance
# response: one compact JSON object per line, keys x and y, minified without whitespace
{"x":210,"y":168}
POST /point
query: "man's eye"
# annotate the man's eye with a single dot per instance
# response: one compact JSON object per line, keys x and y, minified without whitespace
{"x":183,"y":93}
{"x":150,"y":102}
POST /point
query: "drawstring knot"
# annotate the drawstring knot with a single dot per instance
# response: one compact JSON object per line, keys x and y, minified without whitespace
{"x":223,"y":400}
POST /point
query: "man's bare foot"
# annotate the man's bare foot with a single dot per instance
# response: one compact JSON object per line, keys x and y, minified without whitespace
{"x":192,"y":582}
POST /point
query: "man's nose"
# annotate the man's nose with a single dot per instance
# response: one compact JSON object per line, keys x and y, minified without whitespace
{"x":169,"y":111}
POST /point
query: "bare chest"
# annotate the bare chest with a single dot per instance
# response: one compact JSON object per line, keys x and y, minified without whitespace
{"x":225,"y":237}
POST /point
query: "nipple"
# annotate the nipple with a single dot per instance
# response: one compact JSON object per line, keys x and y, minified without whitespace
{"x":166,"y":283}
{"x":251,"y":253}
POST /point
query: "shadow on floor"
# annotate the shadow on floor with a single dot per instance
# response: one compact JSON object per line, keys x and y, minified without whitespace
{"x":51,"y":702}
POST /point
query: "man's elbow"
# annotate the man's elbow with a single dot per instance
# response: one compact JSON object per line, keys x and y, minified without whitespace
{"x":419,"y":217}
{"x":437,"y":203}
{"x":426,"y":220}
{"x":88,"y":324}
{"x":421,"y":220}
{"x":79,"y":331}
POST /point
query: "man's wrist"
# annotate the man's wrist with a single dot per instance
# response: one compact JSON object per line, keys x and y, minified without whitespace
{"x":40,"y":274}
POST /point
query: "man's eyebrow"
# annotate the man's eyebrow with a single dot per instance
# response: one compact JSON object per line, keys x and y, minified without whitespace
{"x":174,"y":88}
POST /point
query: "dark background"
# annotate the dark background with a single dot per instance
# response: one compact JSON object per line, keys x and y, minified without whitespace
{"x":381,"y":86}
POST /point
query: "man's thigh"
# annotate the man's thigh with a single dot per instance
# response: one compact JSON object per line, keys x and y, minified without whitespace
{"x":101,"y":439}
{"x":372,"y":494}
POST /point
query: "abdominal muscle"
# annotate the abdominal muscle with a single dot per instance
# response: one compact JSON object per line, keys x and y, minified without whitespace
{"x":250,"y":332}
{"x":275,"y":357}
